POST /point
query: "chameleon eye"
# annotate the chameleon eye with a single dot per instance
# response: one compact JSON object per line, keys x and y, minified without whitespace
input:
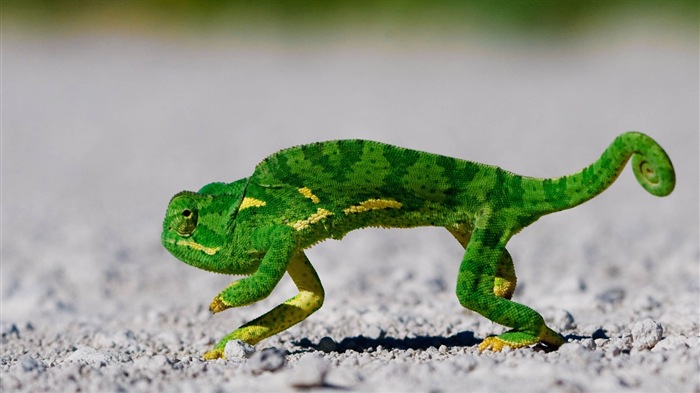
{"x":188,"y":223}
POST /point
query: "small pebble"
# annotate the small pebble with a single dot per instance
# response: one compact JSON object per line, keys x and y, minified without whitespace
{"x":646,"y":303}
{"x":309,"y":372}
{"x":465,"y":363}
{"x":364,"y":359}
{"x":88,"y":355}
{"x":153,"y":362}
{"x":646,"y":334}
{"x":327,"y":345}
{"x":571,"y":348}
{"x":619,"y":346}
{"x":30,"y":364}
{"x":671,"y":343}
{"x":373,"y":332}
{"x":588,"y":344}
{"x":10,"y":330}
{"x":626,"y":337}
{"x":159,"y":361}
{"x":564,"y":320}
{"x":611,"y":296}
{"x":169,"y":338}
{"x":269,"y":359}
{"x":238,"y":350}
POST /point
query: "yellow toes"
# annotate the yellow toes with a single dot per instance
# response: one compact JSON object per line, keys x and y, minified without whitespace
{"x":217,"y":305}
{"x":493,"y":343}
{"x":214,"y":354}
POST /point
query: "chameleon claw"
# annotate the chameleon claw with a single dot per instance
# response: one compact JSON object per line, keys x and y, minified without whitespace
{"x":217,"y":305}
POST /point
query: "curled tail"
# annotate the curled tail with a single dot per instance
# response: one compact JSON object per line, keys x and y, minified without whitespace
{"x":650,"y":163}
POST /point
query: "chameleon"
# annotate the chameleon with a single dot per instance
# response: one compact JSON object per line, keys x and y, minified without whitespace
{"x":259,"y":226}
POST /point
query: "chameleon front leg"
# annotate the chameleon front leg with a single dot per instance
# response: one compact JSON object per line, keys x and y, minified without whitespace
{"x":285,"y":315}
{"x":484,"y":261}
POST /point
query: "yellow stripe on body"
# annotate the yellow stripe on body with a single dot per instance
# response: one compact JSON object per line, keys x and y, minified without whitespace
{"x":251,"y":202}
{"x":306,"y":191}
{"x":372,"y":204}
{"x":314,"y":218}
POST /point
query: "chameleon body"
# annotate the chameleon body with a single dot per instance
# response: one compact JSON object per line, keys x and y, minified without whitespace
{"x":259,"y":226}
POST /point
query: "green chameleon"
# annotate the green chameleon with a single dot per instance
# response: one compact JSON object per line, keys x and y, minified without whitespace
{"x":259,"y":226}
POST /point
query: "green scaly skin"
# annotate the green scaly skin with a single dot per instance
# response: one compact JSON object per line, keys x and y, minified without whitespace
{"x":260,"y":225}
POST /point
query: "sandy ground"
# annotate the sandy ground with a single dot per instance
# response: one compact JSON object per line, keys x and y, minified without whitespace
{"x":100,"y":131}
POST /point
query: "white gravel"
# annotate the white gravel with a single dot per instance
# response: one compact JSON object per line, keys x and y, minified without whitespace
{"x":100,"y":131}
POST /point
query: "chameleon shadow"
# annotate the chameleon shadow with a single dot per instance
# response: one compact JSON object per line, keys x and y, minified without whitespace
{"x":464,"y":339}
{"x":362,"y":344}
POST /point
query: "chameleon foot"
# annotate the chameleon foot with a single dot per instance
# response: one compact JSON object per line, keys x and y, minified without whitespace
{"x":218,"y":305}
{"x":496,"y":344}
{"x":551,"y":338}
{"x":214,"y":354}
{"x":493,"y":343}
{"x":515,"y":339}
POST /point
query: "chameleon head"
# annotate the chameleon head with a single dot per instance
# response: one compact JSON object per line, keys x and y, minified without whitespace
{"x":197,"y":225}
{"x":181,"y":232}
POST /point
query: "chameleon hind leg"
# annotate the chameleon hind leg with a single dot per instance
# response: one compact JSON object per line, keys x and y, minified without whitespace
{"x":505,"y":280}
{"x":480,"y":289}
{"x":285,"y":315}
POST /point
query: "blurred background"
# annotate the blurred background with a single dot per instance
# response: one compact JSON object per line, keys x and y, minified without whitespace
{"x":546,"y":19}
{"x":111,"y":107}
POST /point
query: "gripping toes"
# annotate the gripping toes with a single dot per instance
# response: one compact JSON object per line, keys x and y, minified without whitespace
{"x":214,"y":354}
{"x":515,"y":339}
{"x":218,"y":305}
{"x":495,"y":344}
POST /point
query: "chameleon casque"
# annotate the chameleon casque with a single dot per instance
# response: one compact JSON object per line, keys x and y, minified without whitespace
{"x":259,"y":226}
